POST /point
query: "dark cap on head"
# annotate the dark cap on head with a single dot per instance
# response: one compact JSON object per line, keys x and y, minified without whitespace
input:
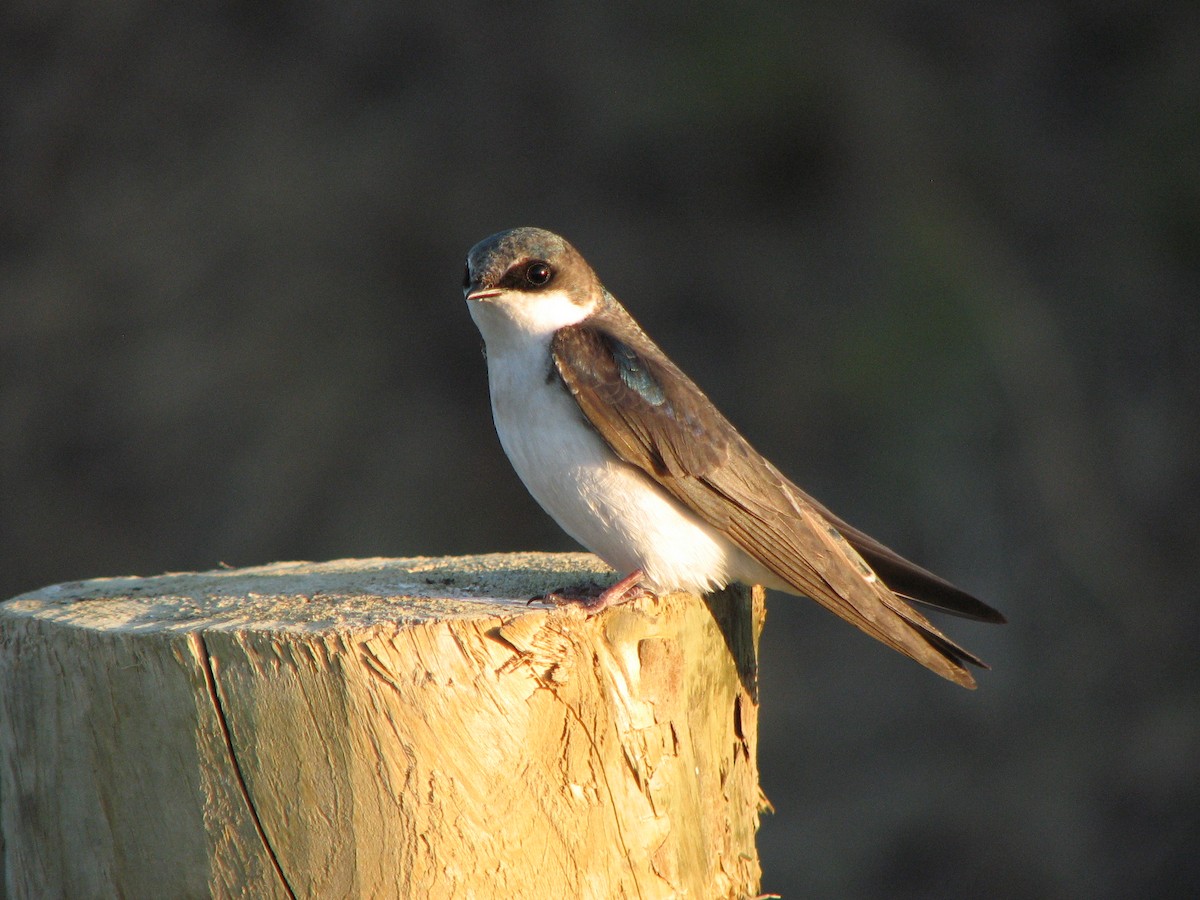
{"x":494,"y":257}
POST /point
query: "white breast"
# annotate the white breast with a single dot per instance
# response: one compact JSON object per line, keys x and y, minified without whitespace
{"x":610,"y":507}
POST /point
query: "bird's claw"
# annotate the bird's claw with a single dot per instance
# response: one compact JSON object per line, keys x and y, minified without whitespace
{"x":594,"y":599}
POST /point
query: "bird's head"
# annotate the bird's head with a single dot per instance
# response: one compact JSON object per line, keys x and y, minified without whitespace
{"x":528,"y":279}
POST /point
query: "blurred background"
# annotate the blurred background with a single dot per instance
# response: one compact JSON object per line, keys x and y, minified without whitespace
{"x":939,"y":261}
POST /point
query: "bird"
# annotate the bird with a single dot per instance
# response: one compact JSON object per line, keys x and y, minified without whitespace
{"x":634,"y":462}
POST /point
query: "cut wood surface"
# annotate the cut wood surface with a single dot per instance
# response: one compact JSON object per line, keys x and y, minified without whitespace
{"x":377,"y":728}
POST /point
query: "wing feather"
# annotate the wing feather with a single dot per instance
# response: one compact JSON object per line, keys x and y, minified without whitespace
{"x":655,"y":418}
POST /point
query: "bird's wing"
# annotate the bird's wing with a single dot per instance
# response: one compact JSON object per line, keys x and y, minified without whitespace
{"x":655,"y":418}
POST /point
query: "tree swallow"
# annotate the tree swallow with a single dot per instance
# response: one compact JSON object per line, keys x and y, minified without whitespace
{"x":634,"y":462}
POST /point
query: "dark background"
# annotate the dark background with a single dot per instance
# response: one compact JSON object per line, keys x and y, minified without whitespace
{"x":940,"y":261}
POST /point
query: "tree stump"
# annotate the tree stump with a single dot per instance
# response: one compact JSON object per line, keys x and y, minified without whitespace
{"x":376,"y":728}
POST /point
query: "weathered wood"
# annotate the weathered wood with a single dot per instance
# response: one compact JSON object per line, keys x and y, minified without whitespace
{"x":374,"y":728}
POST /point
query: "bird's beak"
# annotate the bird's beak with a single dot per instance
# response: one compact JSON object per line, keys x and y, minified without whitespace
{"x":484,"y":294}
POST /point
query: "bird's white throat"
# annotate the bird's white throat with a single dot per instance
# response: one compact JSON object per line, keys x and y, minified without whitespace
{"x":521,"y":316}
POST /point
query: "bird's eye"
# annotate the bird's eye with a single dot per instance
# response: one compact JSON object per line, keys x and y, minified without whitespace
{"x":538,"y":274}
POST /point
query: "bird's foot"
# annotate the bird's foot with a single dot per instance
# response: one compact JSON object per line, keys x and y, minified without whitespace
{"x":595,"y":599}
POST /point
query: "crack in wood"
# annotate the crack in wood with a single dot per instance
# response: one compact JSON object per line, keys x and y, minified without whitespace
{"x":210,"y":681}
{"x":612,"y":799}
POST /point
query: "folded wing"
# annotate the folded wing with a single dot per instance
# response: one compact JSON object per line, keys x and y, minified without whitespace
{"x":655,"y":418}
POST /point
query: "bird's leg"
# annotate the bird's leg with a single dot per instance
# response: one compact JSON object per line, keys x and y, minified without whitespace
{"x":628,"y":588}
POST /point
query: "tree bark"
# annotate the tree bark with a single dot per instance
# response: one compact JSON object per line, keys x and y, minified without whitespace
{"x":374,"y":728}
